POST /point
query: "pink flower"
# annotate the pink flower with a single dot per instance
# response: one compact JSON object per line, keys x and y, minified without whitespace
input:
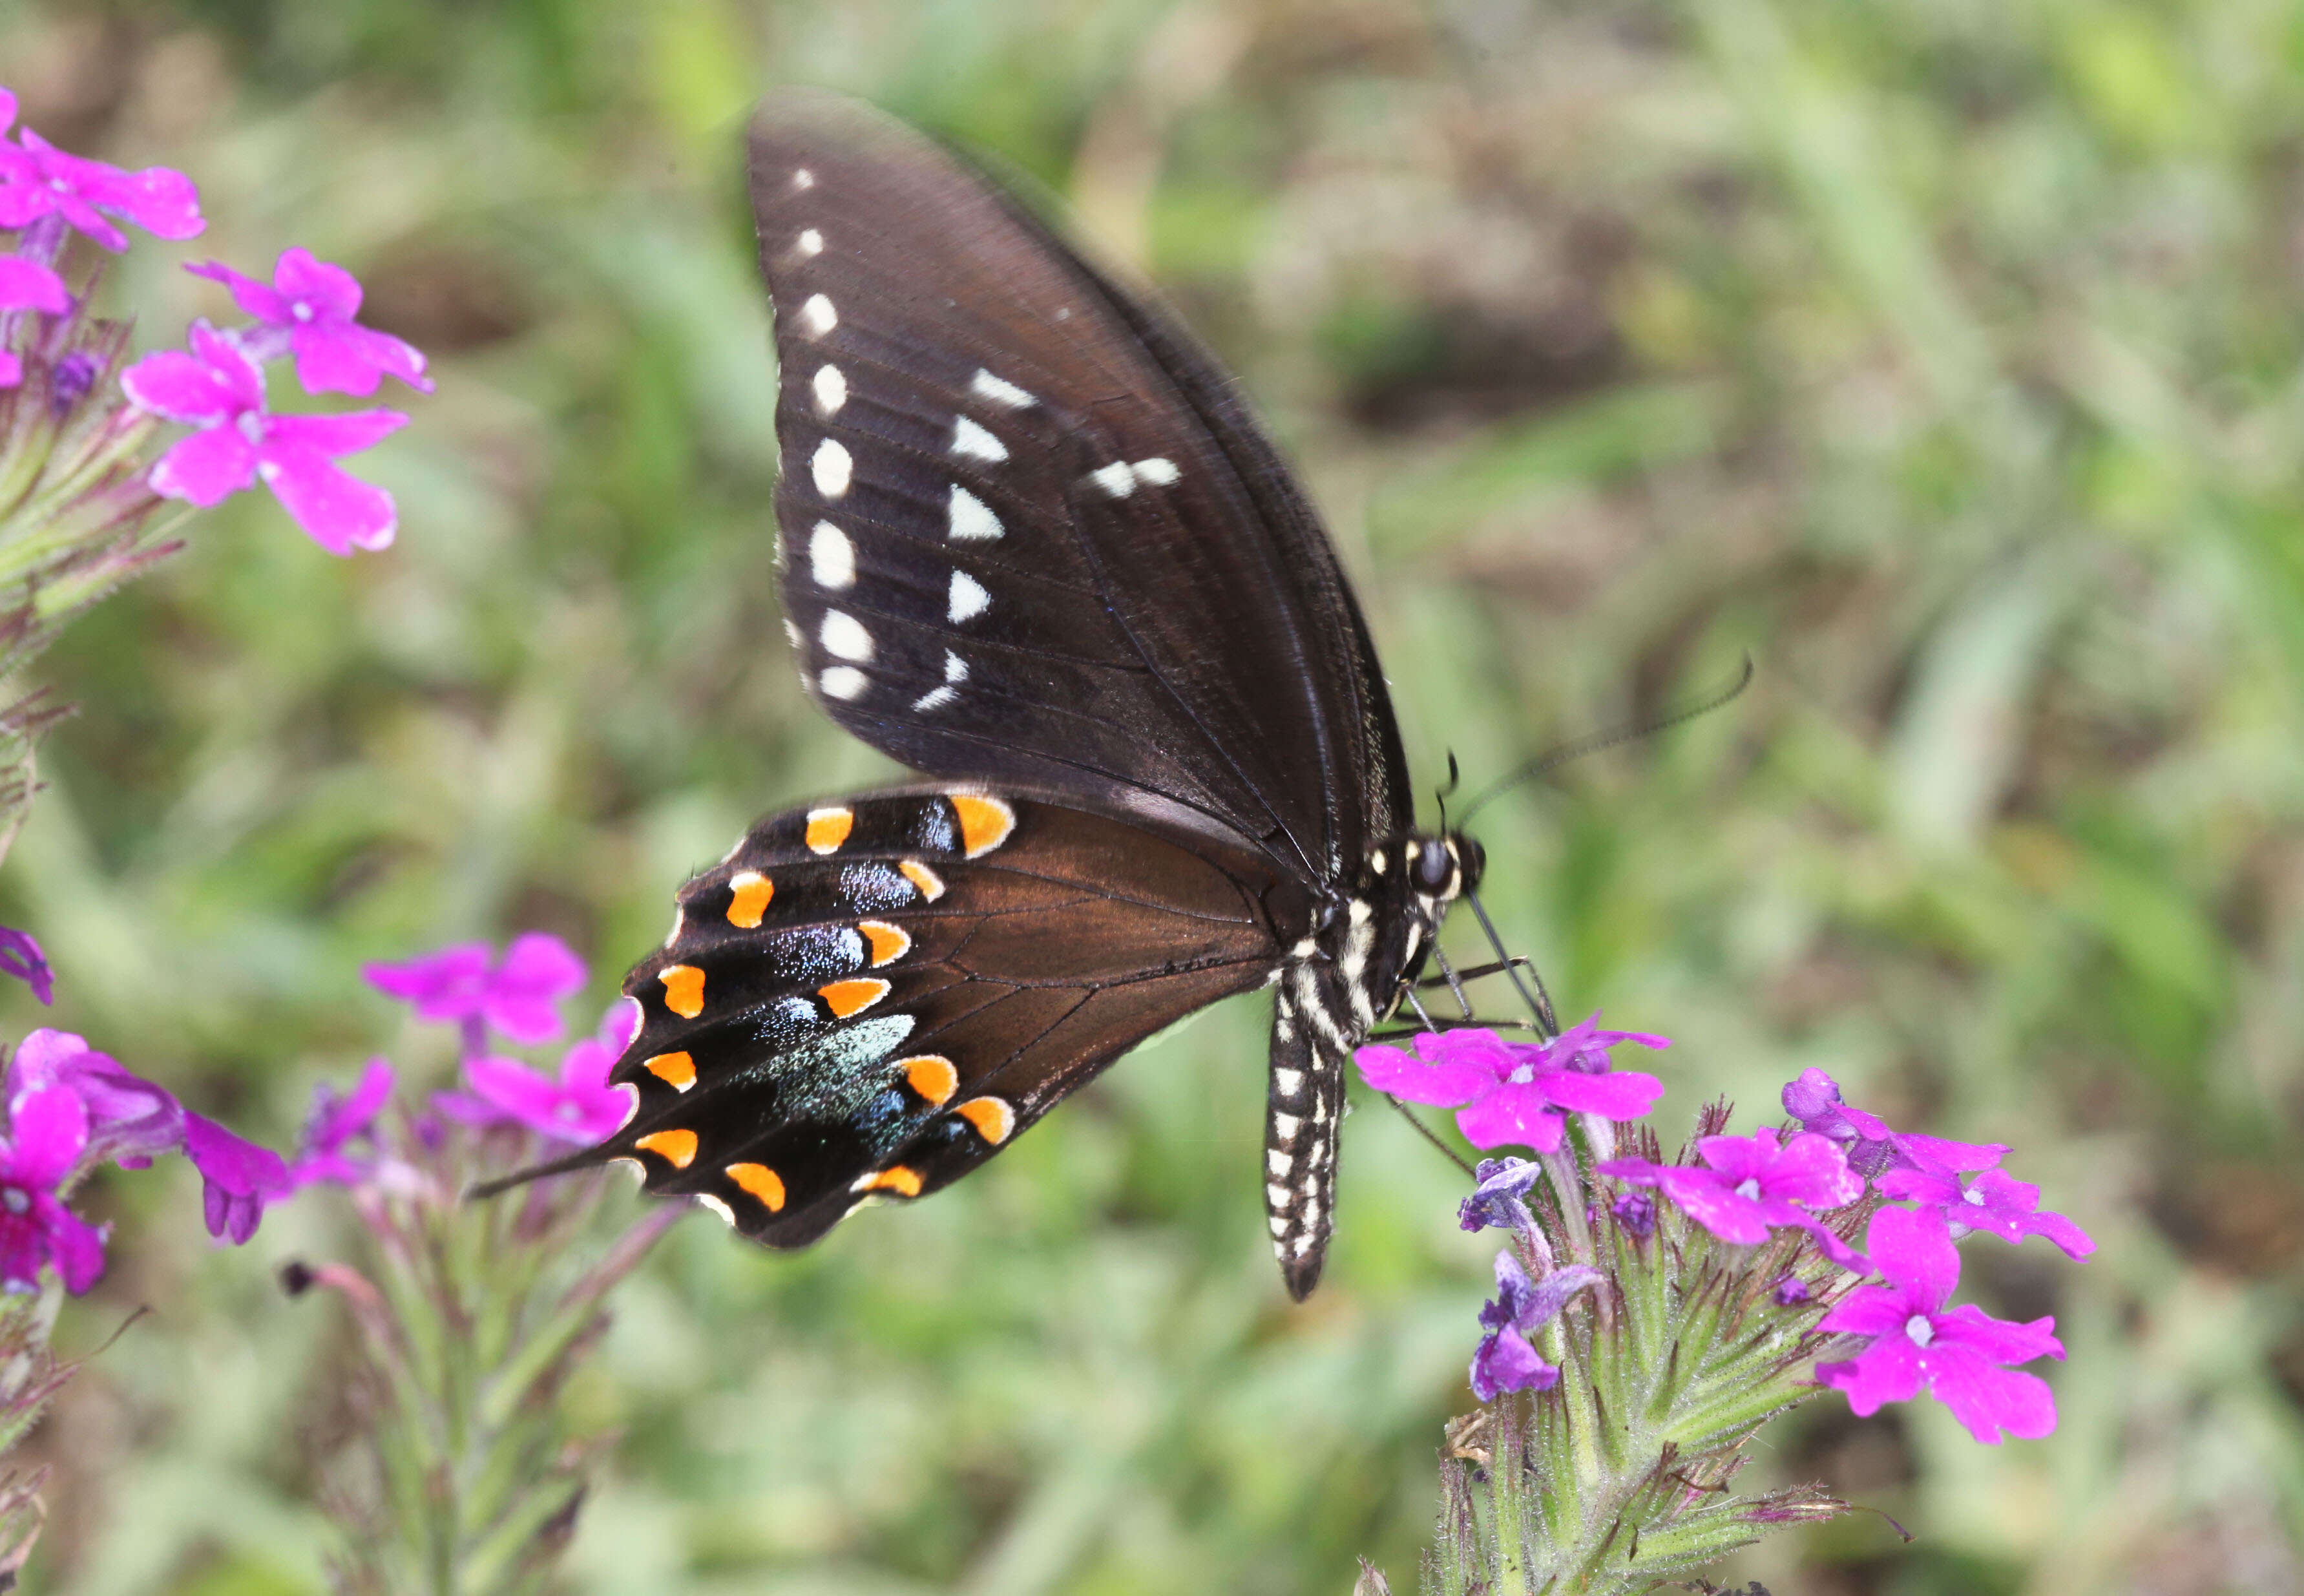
{"x":38,"y":180}
{"x":520,"y":997}
{"x":47,"y":1131}
{"x":1752,"y":1185}
{"x":1995,"y":1201}
{"x":1513,"y":1093}
{"x":309,"y":306}
{"x":27,"y":286}
{"x":580,"y":1106}
{"x":220,"y":390}
{"x":1920,"y":1346}
{"x":130,"y":1120}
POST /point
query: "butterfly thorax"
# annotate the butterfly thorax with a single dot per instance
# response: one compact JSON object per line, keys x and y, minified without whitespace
{"x":1366,"y":945}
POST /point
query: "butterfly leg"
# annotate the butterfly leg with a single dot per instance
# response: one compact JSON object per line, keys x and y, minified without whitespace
{"x":1302,"y":1118}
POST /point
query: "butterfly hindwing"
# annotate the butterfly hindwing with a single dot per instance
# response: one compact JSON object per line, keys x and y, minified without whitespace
{"x":1030,"y":534}
{"x":873,"y":996}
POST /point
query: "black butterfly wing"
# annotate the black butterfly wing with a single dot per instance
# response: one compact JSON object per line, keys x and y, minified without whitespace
{"x":1031,"y":533}
{"x":873,"y":997}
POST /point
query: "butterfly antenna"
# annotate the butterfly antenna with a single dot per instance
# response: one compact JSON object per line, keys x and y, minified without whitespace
{"x":1577,"y":748}
{"x":480,"y":1192}
{"x":1455,"y":778}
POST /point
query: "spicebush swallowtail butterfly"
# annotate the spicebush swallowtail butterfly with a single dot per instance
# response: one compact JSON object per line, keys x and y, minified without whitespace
{"x":1034,"y":546}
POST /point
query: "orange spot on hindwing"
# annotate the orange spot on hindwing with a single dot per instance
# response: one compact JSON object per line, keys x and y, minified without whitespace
{"x":683,"y":991}
{"x":931,"y":1076}
{"x":761,"y":1182}
{"x":675,"y":1148}
{"x":930,"y":884}
{"x":748,"y":893}
{"x":889,"y":942}
{"x":993,"y":1119}
{"x":895,"y":1177}
{"x":985,"y":822}
{"x":846,"y":998}
{"x":673,"y":1069}
{"x":827,"y":828}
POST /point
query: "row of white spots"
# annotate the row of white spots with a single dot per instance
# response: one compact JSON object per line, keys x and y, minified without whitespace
{"x":1121,"y":478}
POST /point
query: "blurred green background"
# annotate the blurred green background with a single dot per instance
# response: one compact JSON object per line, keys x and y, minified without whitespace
{"x":1942,"y":354}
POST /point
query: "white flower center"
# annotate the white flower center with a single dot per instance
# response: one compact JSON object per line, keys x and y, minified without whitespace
{"x":1972,"y":1196}
{"x":1748,"y":1187}
{"x":1919,"y":1330}
{"x":567,"y":1111}
{"x":1523,"y":1075}
{"x":250,"y":424}
{"x":300,"y":311}
{"x":60,"y":185}
{"x":15,"y":1200}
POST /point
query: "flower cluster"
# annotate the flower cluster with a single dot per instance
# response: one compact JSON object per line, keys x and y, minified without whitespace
{"x":1816,"y":1180}
{"x":307,"y":313}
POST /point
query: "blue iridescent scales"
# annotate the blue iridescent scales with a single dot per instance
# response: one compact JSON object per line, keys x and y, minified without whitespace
{"x":866,"y":998}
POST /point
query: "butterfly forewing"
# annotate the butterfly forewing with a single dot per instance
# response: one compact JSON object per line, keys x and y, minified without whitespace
{"x":873,"y":996}
{"x":1029,"y":535}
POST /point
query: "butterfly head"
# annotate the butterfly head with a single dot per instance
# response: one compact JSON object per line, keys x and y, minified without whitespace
{"x":1445,"y":868}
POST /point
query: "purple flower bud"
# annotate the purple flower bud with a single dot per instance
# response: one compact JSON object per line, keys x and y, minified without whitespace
{"x":1790,"y":1290}
{"x":1636,"y":1213}
{"x":69,"y":383}
{"x":1501,"y":1199}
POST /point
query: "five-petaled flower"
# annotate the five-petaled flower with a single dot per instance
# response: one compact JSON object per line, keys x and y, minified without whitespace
{"x":37,"y":180}
{"x":464,"y":986}
{"x":1872,"y":1148}
{"x":308,"y":307}
{"x":1505,"y":1360}
{"x":47,"y":1133}
{"x":1995,"y":1201}
{"x":219,"y":388}
{"x":1919,"y":1345}
{"x":580,"y":1107}
{"x":1515,"y":1093}
{"x":1752,"y":1184}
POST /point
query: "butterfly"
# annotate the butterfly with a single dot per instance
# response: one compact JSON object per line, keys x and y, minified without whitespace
{"x":1033,"y":545}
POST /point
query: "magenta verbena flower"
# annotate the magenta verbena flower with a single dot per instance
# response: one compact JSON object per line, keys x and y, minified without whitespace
{"x":20,"y":956}
{"x":579,"y":1106}
{"x":47,"y":1133}
{"x":1919,"y":1345}
{"x":1505,"y":1360}
{"x":1995,"y":1201}
{"x":336,"y":1121}
{"x":219,"y":388}
{"x":37,"y":180}
{"x":1752,"y":1184}
{"x":309,"y":309}
{"x":1515,"y":1093}
{"x":462,"y":985}
{"x":1872,"y":1148}
{"x":131,"y":1121}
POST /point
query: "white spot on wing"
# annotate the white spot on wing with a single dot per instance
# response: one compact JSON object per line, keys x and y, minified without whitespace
{"x":971,"y":522}
{"x":955,"y":668}
{"x":803,"y":179}
{"x":935,"y":698}
{"x":810,"y":242}
{"x":1156,"y":472}
{"x":956,"y":671}
{"x":817,"y":316}
{"x":831,"y":387}
{"x":968,"y":599}
{"x":844,"y":681}
{"x":985,"y":385}
{"x":831,"y":466}
{"x":973,"y":441}
{"x":831,"y":557}
{"x":1115,"y":478}
{"x":843,"y":637}
{"x":708,"y":1200}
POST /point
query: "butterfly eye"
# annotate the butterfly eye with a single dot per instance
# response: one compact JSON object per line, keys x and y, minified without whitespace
{"x":1433,"y":867}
